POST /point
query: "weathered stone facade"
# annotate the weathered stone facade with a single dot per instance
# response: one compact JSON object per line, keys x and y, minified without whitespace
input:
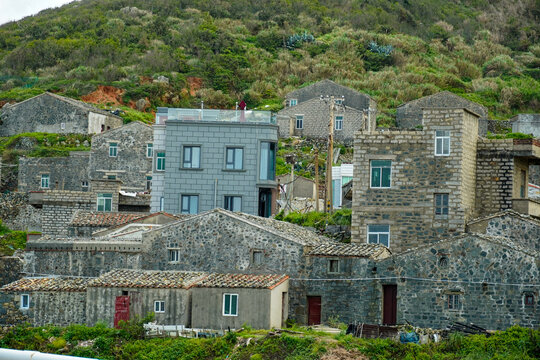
{"x":527,"y":124}
{"x":131,"y":162}
{"x":60,"y":178}
{"x":59,"y":207}
{"x":52,"y":113}
{"x":410,"y":115}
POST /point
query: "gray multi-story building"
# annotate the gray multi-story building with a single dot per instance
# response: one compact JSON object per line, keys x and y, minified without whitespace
{"x":205,"y":159}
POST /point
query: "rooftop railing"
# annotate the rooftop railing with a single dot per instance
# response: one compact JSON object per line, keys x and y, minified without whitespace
{"x":211,"y":115}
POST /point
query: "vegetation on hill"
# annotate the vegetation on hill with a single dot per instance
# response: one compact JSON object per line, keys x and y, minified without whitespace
{"x":223,"y":51}
{"x":126,"y":343}
{"x":11,"y":240}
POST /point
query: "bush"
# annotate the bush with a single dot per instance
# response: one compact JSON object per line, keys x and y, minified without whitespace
{"x":500,"y":65}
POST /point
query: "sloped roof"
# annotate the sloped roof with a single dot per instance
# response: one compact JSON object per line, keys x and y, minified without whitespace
{"x":251,"y":281}
{"x":48,"y":284}
{"x":139,"y":220}
{"x":372,"y":251}
{"x":442,"y":94}
{"x":147,"y":279}
{"x":103,"y":219}
{"x":508,"y":212}
{"x":139,"y":124}
{"x":309,"y":105}
{"x":322,"y":83}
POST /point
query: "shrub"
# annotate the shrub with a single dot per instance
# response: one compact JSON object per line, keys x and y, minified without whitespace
{"x":500,"y":65}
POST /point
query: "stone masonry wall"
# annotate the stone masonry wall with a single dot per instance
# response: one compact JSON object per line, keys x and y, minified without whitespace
{"x":466,"y":130}
{"x":59,"y":207}
{"x":60,"y":178}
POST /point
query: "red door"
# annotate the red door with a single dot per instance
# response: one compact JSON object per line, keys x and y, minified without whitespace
{"x":389,"y":304}
{"x":314,"y":310}
{"x":121,"y":309}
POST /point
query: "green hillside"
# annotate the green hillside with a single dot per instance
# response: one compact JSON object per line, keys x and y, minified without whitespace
{"x":223,"y":51}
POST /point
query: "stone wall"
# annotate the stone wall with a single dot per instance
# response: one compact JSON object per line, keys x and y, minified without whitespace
{"x":59,"y":207}
{"x":31,"y":169}
{"x":10,"y":269}
{"x":527,"y":124}
{"x":131,"y":165}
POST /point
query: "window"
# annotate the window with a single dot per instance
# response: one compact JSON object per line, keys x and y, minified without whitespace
{"x":84,"y":184}
{"x":148,"y":183}
{"x":159,"y":306}
{"x":333,"y":266}
{"x":25,"y":301}
{"x":267,"y":164}
{"x":160,"y":161}
{"x":380,"y":173}
{"x":174,"y":255}
{"x":45,"y":181}
{"x":293,"y":102}
{"x":111,"y":177}
{"x":149,"y":150}
{"x":442,"y":143}
{"x":230,"y":304}
{"x":234,"y":158}
{"x":524,"y":184}
{"x":339,"y":122}
{"x":161,"y":203}
{"x":441,"y":204}
{"x":192,"y":157}
{"x":113,"y":149}
{"x":299,"y":121}
{"x":257,"y":257}
{"x":63,"y":126}
{"x":379,"y":234}
{"x":528,"y":299}
{"x":454,"y":302}
{"x":443,"y":262}
{"x":233,"y":203}
{"x":338,"y":101}
{"x":190,"y":204}
{"x":104,"y":202}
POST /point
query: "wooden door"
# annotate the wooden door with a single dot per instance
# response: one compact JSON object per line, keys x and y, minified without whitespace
{"x":314,"y":310}
{"x":121,"y":309}
{"x":389,"y":304}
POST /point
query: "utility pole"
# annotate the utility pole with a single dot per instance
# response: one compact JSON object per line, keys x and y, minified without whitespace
{"x":316,"y":179}
{"x":329,"y":157}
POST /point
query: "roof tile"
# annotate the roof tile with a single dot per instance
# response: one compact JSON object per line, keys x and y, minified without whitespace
{"x":103,"y":219}
{"x":373,"y":251}
{"x":253,"y":281}
{"x":48,"y":284}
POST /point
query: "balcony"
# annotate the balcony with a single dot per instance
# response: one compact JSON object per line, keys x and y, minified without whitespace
{"x":527,"y":206}
{"x":211,"y":115}
{"x":527,"y":148}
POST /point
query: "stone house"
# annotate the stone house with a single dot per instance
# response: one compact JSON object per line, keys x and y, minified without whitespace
{"x":416,"y":186}
{"x":526,"y":124}
{"x":410,"y":115}
{"x":307,"y":112}
{"x":302,"y":187}
{"x":215,"y":158}
{"x":53,"y":113}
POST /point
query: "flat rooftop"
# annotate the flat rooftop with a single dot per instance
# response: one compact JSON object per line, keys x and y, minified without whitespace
{"x":213,"y":115}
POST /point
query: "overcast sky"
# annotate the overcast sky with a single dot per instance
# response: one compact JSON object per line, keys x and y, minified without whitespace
{"x":17,"y":9}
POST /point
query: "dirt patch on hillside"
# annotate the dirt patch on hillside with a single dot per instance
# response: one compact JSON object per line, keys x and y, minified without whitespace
{"x":105,"y":95}
{"x":339,"y":353}
{"x":194,"y":84}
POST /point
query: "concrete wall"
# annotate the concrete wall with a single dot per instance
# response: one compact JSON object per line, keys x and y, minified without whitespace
{"x":131,"y":165}
{"x":213,"y":138}
{"x":101,"y":303}
{"x":527,"y":124}
{"x":31,"y":169}
{"x":302,"y":187}
{"x":158,"y":177}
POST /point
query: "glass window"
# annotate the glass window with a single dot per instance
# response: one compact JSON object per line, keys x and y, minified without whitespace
{"x":454,"y":302}
{"x":159,"y":306}
{"x":333,"y":266}
{"x":84,"y":184}
{"x":45,"y":181}
{"x":113,"y":149}
{"x":441,"y":204}
{"x":233,"y":203}
{"x":104,"y":202}
{"x":293,"y":102}
{"x":25,"y":301}
{"x":230,"y":304}
{"x":338,"y":101}
{"x":174,"y":255}
{"x":339,"y":122}
{"x":149,"y":150}
{"x":234,"y":158}
{"x":379,"y":234}
{"x":442,"y":143}
{"x":190,"y":204}
{"x":267,"y":164}
{"x":148,"y":183}
{"x":192,"y":157}
{"x":257,"y":257}
{"x":160,"y":161}
{"x":381,"y":173}
{"x":299,"y":121}
{"x":161,"y":203}
{"x":528,"y":299}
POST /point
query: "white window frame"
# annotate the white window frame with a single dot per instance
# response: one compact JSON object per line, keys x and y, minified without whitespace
{"x":338,"y":120}
{"x":293,"y":102}
{"x":194,"y":162}
{"x":371,"y":167}
{"x":378,"y":233}
{"x":113,"y":149}
{"x":105,"y":198}
{"x":299,"y":121}
{"x":84,"y":184}
{"x":45,"y":181}
{"x":174,"y":255}
{"x":160,"y":161}
{"x":149,"y":150}
{"x":442,"y":207}
{"x":232,"y":165}
{"x":442,"y":138}
{"x":229,"y":310}
{"x":189,"y":210}
{"x":159,"y":306}
{"x":63,"y":126}
{"x":27,"y":297}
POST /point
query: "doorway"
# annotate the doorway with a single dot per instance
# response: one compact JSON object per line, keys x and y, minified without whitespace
{"x":265,"y":202}
{"x":121,"y":309}
{"x":314,"y":310}
{"x":389,"y":304}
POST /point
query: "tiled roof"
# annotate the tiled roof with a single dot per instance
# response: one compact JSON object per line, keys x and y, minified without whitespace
{"x":103,"y":219}
{"x":48,"y":284}
{"x":374,"y":251}
{"x":147,"y":279}
{"x":508,"y":212}
{"x":252,"y":281}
